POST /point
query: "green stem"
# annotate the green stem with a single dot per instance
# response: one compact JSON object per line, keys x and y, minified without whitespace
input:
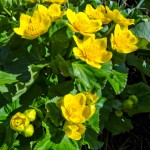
{"x":8,"y":12}
{"x":110,"y":29}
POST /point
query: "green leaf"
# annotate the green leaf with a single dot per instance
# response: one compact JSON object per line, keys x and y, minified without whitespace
{"x":10,"y":137}
{"x":6,"y":110}
{"x":94,"y":120}
{"x":118,"y":78}
{"x":60,"y":41}
{"x":117,"y":125}
{"x":44,"y":142}
{"x":85,"y":79}
{"x":142,"y":30}
{"x":21,"y":88}
{"x":62,"y":65}
{"x":7,"y":78}
{"x":142,"y":92}
{"x":61,"y":89}
{"x":91,"y":139}
{"x":144,"y":44}
{"x":139,"y":64}
{"x":65,"y":144}
{"x":54,"y":113}
{"x":104,"y":71}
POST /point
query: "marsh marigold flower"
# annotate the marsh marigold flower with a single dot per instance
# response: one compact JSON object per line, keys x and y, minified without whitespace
{"x":56,"y":1}
{"x":74,"y":131}
{"x":81,"y":23}
{"x":123,"y":41}
{"x":92,"y":51}
{"x":32,"y":27}
{"x":30,"y":113}
{"x":106,"y":15}
{"x":19,"y":122}
{"x":55,"y":12}
{"x":74,"y":108}
{"x":118,"y":18}
{"x":98,"y":13}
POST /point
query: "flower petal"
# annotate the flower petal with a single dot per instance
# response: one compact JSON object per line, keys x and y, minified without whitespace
{"x":72,"y":17}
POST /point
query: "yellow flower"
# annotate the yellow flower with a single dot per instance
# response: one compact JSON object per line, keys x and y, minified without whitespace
{"x":74,"y":108}
{"x":109,"y":15}
{"x":120,"y":19}
{"x":56,"y":1}
{"x":74,"y":131}
{"x":55,"y":12}
{"x":81,"y":23}
{"x":19,"y":122}
{"x":91,"y":98}
{"x":98,"y":13}
{"x":123,"y":41}
{"x":92,"y":51}
{"x":29,"y":130}
{"x":31,"y":114}
{"x":32,"y":27}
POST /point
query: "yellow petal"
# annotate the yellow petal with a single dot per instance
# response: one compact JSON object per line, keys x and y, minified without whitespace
{"x":102,"y":43}
{"x":94,"y":25}
{"x":43,"y":10}
{"x":36,"y":18}
{"x":104,"y":57}
{"x":93,"y":63}
{"x":78,"y":53}
{"x":19,"y":31}
{"x":24,"y":20}
{"x":72,"y":17}
{"x":89,"y":9}
{"x":78,"y":42}
{"x":72,"y":27}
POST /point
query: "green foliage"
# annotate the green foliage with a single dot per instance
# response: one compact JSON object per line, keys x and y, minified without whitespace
{"x":123,"y":124}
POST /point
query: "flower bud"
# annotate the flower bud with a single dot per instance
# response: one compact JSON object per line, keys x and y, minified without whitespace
{"x":128,"y":104}
{"x":118,"y":113}
{"x":19,"y":122}
{"x":133,"y":98}
{"x":28,"y":131}
{"x":31,"y":114}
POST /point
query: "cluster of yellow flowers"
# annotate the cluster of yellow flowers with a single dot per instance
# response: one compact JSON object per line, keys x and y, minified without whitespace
{"x":90,"y":49}
{"x":93,"y":51}
{"x":20,"y":122}
{"x":32,"y":27}
{"x":52,"y":1}
{"x":76,"y":109}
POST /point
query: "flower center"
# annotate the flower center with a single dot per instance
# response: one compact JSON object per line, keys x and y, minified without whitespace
{"x":19,"y":121}
{"x":81,"y":25}
{"x":33,"y":29}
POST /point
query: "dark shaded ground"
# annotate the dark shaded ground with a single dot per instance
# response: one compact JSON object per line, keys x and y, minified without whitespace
{"x":137,"y":139}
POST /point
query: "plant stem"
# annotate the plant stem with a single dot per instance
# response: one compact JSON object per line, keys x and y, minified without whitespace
{"x":8,"y":12}
{"x":110,"y":29}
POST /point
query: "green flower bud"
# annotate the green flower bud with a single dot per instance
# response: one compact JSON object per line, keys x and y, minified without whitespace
{"x":31,"y":114}
{"x":118,"y":113}
{"x":128,"y":104}
{"x":133,"y":98}
{"x":28,"y":131}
